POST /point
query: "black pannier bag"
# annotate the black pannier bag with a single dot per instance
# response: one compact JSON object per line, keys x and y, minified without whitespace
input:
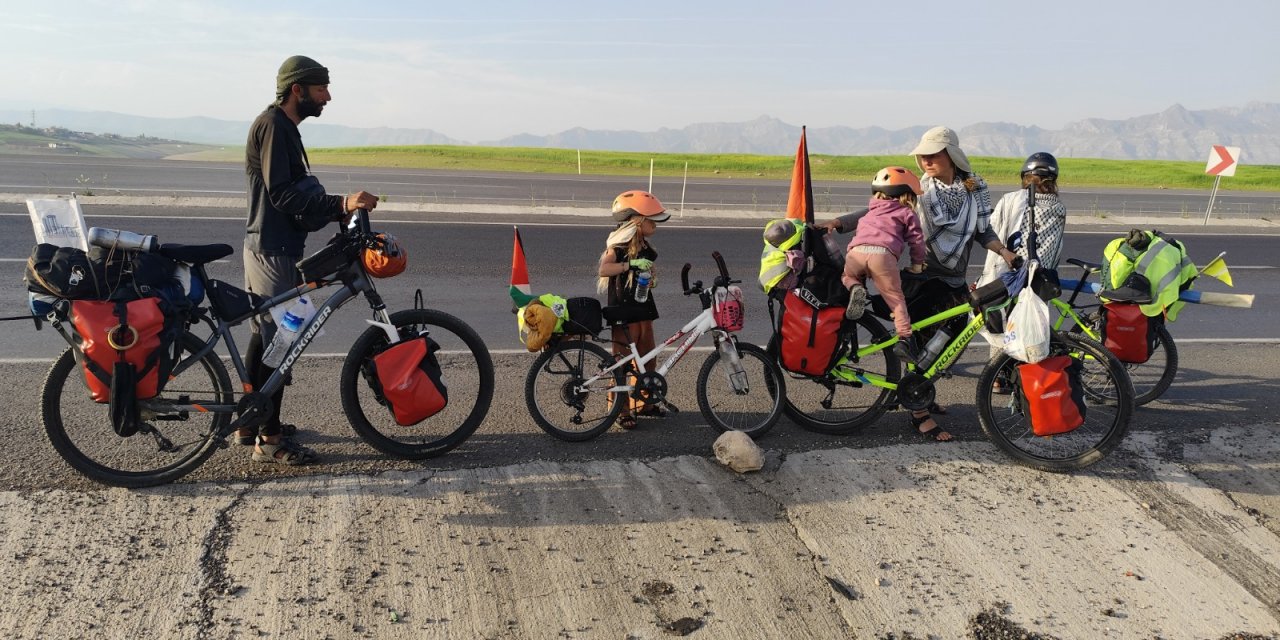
{"x":585,"y":316}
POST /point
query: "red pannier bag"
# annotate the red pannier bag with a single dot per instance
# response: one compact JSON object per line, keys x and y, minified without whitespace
{"x":808,"y":337}
{"x":1127,"y":332}
{"x":1052,"y":394}
{"x":406,"y":378}
{"x":113,"y":332}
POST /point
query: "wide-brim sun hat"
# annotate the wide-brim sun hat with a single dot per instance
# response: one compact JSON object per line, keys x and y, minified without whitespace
{"x":942,"y":139}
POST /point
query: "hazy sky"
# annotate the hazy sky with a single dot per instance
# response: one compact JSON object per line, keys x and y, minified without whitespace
{"x":480,"y":71}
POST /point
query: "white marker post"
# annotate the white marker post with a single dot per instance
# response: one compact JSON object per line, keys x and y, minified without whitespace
{"x":683,"y":186}
{"x":579,"y":161}
{"x":650,"y":175}
{"x":1222,"y":162}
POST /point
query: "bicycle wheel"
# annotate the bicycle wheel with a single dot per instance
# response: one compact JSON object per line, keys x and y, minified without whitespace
{"x":1153,"y":377}
{"x":554,"y":391}
{"x":465,"y":367}
{"x":168,"y":445}
{"x":1108,"y":402}
{"x":834,"y":405}
{"x":753,"y":410}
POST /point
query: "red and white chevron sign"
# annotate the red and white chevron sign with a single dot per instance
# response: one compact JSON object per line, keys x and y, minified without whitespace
{"x":1222,"y":161}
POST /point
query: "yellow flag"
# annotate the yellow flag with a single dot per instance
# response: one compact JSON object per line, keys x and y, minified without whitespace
{"x":1218,"y":269}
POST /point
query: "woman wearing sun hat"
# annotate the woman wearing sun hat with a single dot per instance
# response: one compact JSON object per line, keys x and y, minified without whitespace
{"x":954,"y":211}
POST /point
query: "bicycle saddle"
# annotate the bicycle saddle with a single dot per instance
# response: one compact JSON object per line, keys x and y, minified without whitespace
{"x":1089,"y":267}
{"x":195,"y":253}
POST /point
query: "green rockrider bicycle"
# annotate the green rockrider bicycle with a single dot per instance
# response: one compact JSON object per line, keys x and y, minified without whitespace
{"x":869,"y":380}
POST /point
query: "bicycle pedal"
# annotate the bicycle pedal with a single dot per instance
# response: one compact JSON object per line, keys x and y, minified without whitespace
{"x":674,"y":409}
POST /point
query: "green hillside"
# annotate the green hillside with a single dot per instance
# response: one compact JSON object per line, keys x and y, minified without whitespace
{"x":56,"y":141}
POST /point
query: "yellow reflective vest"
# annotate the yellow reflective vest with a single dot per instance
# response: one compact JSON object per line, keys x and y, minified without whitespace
{"x":1163,"y":263}
{"x":773,"y":261}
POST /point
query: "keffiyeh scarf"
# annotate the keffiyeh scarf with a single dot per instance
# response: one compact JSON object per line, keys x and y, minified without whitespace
{"x":951,"y":215}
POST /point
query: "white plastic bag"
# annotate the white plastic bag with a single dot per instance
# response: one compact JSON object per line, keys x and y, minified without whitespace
{"x":1026,"y":332}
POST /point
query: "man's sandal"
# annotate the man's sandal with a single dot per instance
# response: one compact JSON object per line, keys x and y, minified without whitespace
{"x":286,"y":430}
{"x":286,"y":452}
{"x":935,"y":434}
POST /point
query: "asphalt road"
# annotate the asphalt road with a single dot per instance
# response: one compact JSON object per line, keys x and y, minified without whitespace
{"x":107,"y":176}
{"x":462,"y":264}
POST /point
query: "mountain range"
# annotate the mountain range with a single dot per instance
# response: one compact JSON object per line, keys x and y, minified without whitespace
{"x":1176,"y":133}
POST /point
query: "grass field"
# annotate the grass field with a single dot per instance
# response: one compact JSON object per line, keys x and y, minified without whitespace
{"x":1076,"y":172}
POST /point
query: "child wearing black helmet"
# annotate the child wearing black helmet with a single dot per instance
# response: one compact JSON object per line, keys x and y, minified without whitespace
{"x":1009,"y":222}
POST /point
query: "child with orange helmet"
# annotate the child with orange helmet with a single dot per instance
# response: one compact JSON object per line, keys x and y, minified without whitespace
{"x":627,"y":253}
{"x":889,"y":226}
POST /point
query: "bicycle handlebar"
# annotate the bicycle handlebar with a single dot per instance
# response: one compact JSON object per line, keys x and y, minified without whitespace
{"x":724,"y":271}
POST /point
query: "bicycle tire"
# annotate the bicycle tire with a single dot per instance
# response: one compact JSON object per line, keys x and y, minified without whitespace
{"x":1153,"y":377}
{"x":1106,"y":418}
{"x":727,"y":409}
{"x":555,"y":407}
{"x":80,"y":429}
{"x":853,"y":405}
{"x":466,"y":368}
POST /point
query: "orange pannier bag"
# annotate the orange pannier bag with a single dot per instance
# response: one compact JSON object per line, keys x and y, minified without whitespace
{"x":406,"y":378}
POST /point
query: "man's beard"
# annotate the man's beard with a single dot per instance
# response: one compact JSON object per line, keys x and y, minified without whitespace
{"x":309,"y":107}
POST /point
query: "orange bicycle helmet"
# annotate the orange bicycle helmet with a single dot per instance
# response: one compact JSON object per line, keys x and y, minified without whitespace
{"x":638,"y":203}
{"x":386,"y":258}
{"x":895,"y":181}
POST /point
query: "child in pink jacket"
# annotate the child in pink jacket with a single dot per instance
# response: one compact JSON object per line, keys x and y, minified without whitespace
{"x":889,"y":226}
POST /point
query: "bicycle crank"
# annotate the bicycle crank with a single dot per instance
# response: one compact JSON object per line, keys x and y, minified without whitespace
{"x":650,"y":388}
{"x":916,"y":392}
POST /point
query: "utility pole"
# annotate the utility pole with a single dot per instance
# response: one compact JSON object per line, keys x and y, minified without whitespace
{"x":33,"y":118}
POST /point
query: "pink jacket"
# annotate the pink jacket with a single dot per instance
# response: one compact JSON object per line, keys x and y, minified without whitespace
{"x":892,"y":225}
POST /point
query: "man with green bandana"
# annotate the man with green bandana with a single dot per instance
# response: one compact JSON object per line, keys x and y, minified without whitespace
{"x":285,"y":204}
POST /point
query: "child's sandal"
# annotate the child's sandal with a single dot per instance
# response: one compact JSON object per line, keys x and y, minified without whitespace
{"x":627,"y":421}
{"x":935,"y":434}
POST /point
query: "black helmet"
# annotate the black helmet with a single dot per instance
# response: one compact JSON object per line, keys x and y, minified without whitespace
{"x":1042,"y":164}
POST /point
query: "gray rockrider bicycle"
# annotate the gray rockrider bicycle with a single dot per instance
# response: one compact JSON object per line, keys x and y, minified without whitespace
{"x":192,"y":416}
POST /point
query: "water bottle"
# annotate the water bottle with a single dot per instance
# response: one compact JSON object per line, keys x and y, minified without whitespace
{"x":117,"y":239}
{"x":642,"y":286}
{"x":286,"y":330}
{"x":733,"y":366}
{"x":934,"y":348}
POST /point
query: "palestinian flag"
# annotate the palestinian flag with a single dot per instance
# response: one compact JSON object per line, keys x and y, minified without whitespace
{"x":800,"y":201}
{"x":519,"y":291}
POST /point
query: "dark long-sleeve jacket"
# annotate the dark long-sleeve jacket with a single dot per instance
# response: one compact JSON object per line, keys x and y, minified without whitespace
{"x":280,"y":214}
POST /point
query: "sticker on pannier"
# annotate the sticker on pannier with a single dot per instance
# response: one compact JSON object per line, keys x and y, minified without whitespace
{"x":406,"y":378}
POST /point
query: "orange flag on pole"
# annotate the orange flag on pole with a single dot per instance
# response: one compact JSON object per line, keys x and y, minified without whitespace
{"x":800,"y":202}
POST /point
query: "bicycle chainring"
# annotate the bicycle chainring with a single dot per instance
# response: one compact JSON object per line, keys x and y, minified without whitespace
{"x":916,"y":392}
{"x":651,"y":386}
{"x":254,"y":407}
